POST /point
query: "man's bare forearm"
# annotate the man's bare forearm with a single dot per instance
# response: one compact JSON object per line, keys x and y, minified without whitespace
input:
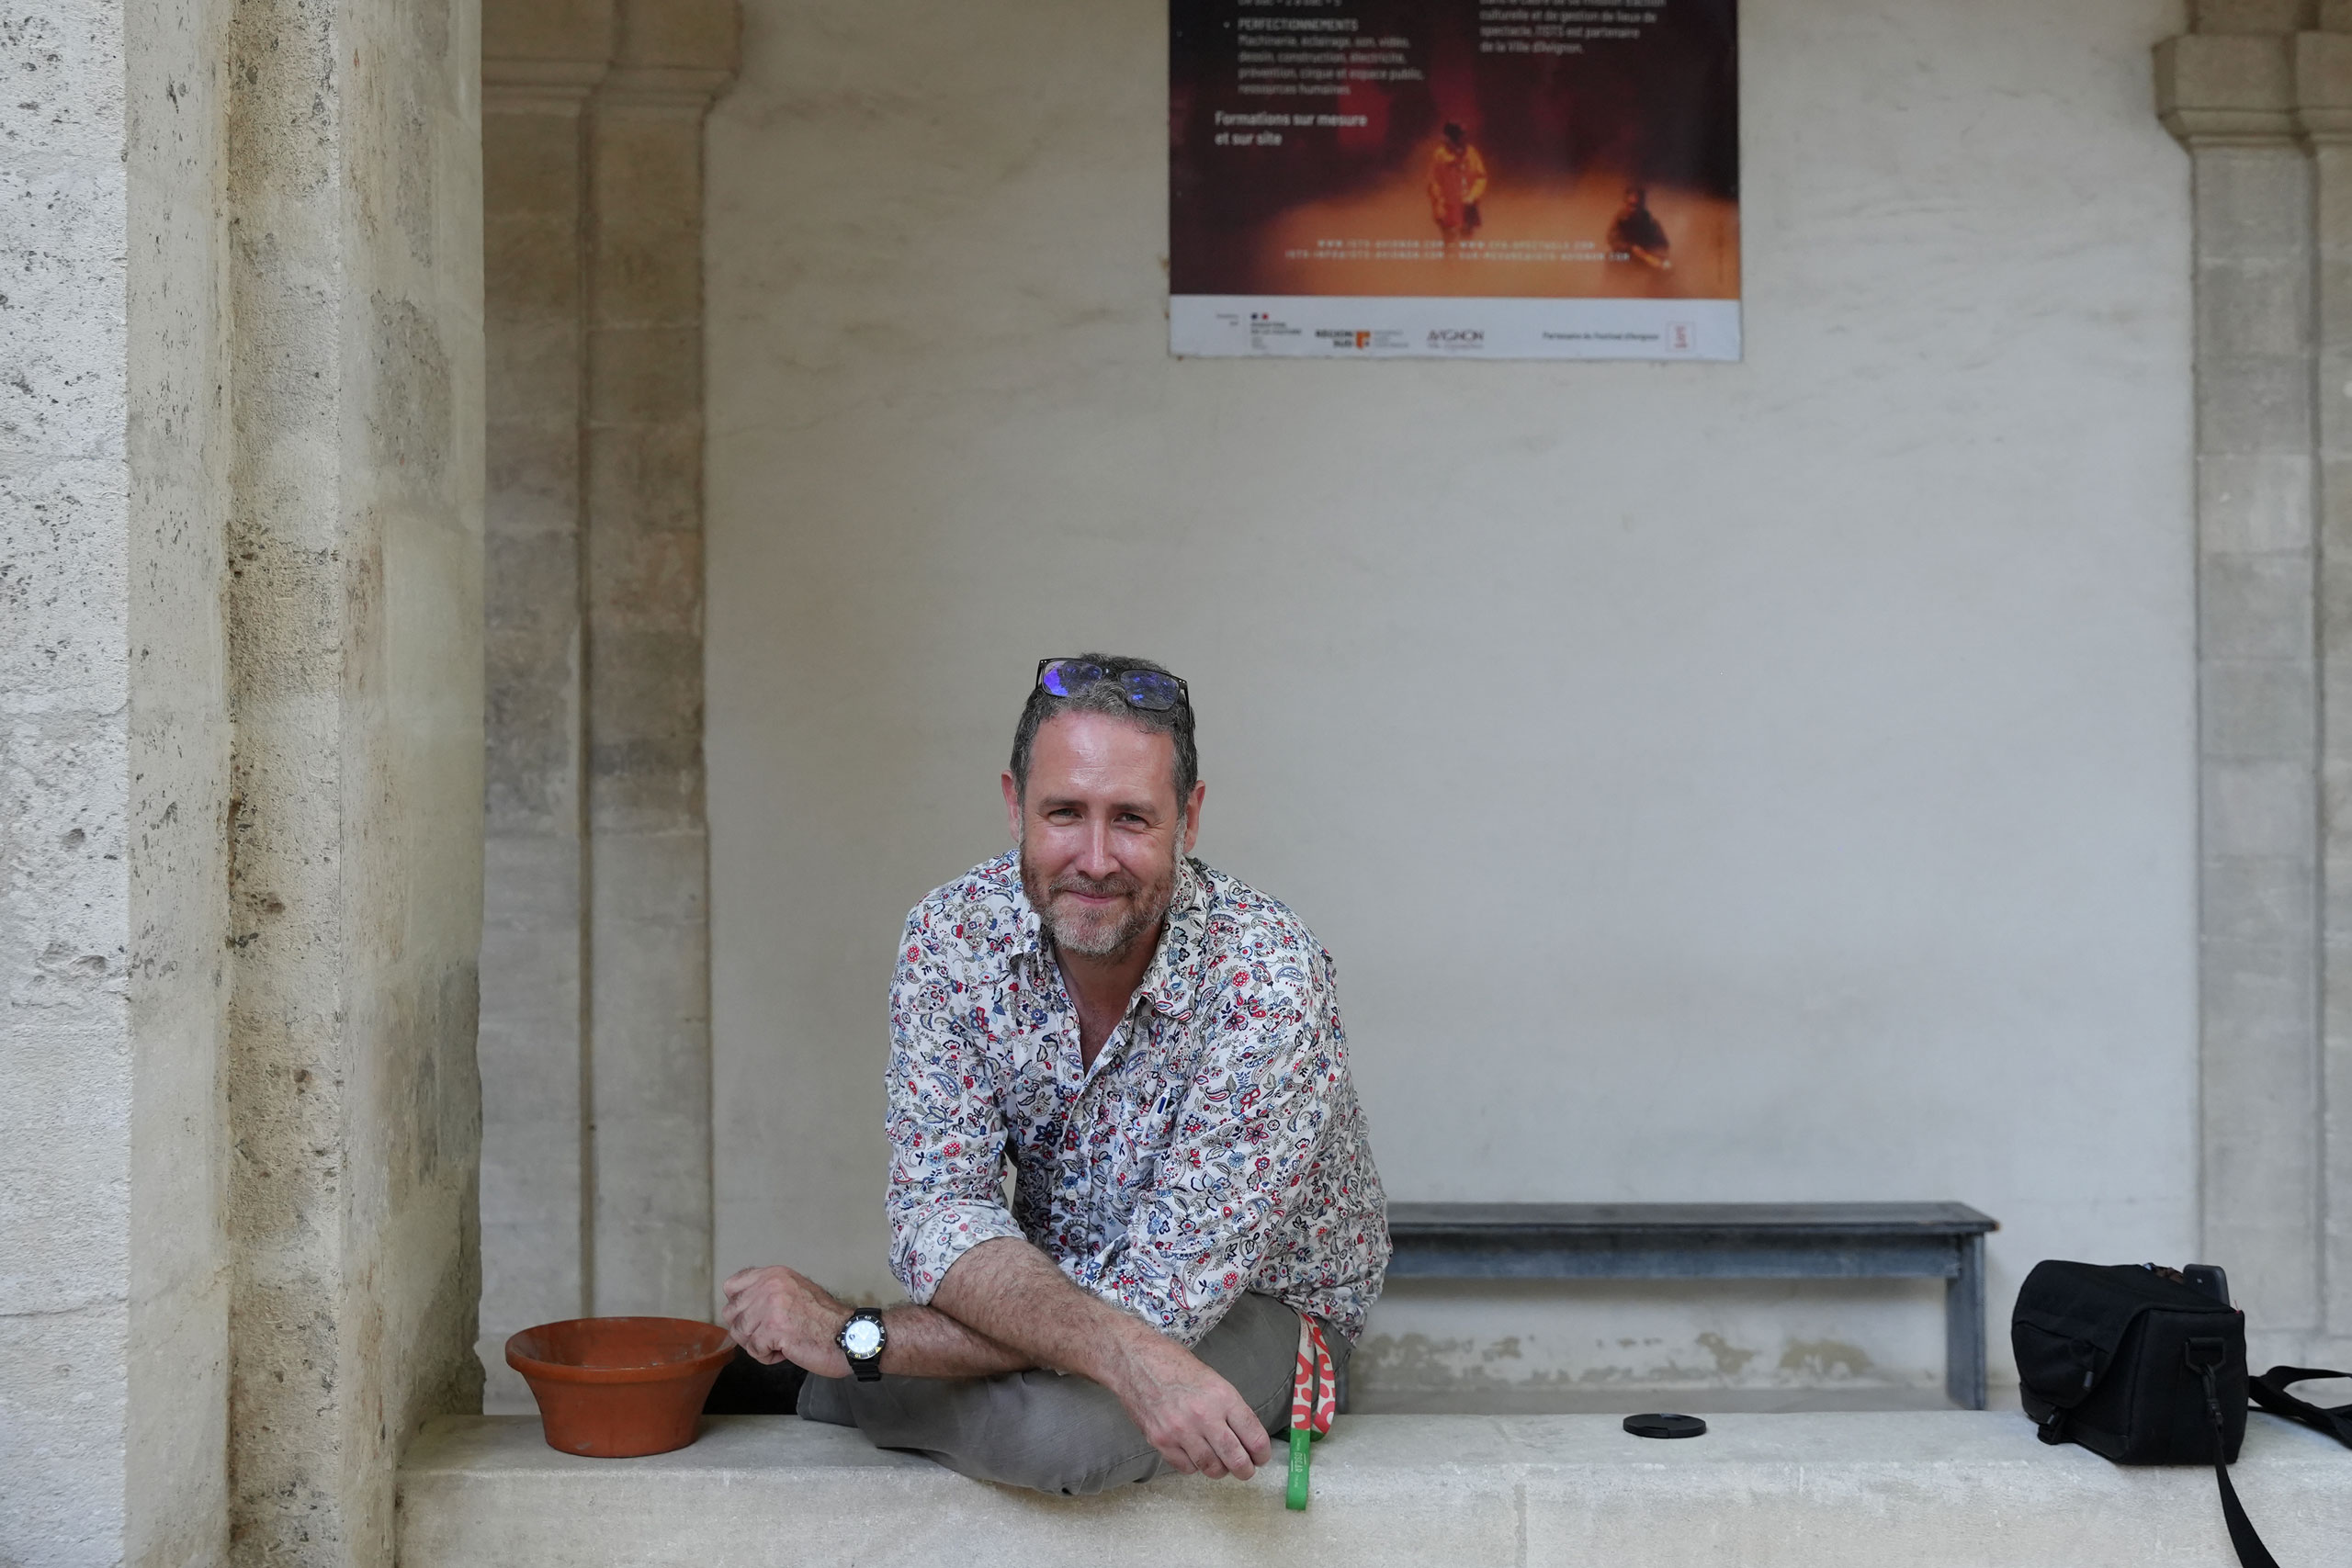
{"x":1013,"y":1296}
{"x":1005,"y":1308}
{"x":778,"y":1314}
{"x":925,"y":1343}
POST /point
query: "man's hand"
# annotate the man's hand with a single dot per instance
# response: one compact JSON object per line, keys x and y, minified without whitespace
{"x":779,"y":1315}
{"x":1198,"y":1422}
{"x":1011,"y":1292}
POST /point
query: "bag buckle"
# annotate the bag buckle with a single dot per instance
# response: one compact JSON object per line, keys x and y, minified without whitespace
{"x":2051,"y":1428}
{"x":2205,"y":1357}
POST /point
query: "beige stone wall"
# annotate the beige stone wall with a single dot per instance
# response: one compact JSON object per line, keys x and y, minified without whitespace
{"x":113,"y":772}
{"x":356,"y":670}
{"x":179,"y":444}
{"x":239,"y":771}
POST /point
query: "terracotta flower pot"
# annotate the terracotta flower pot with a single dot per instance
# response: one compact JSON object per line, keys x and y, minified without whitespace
{"x":611,"y":1387}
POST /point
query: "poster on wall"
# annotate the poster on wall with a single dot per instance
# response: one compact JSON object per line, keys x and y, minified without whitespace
{"x":1506,"y":179}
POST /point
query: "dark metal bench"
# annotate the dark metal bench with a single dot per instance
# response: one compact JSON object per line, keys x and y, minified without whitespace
{"x":1715,"y":1241}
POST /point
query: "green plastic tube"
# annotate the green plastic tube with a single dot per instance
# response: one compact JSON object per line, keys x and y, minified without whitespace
{"x":1301,"y":1440}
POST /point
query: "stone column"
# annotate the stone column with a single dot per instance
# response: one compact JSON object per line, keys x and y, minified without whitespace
{"x":649,"y":935}
{"x":596,"y":1194}
{"x":539,"y":66}
{"x":2249,"y":94}
{"x":114,"y":764}
{"x":2323,"y":100}
{"x":356,"y":683}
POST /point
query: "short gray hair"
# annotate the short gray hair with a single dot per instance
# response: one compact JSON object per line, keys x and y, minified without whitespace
{"x":1105,"y":697}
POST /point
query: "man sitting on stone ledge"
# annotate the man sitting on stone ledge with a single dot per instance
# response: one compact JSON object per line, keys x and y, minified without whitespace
{"x":1157,"y":1050}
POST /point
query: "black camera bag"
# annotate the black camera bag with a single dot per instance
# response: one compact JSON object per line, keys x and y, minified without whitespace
{"x":2104,"y":1355}
{"x":2137,"y":1365}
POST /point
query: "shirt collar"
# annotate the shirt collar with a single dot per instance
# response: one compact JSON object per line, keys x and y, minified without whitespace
{"x":1030,"y":930}
{"x":1175,"y":971}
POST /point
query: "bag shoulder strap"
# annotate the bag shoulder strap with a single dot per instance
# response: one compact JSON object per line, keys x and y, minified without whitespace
{"x":2205,"y":1359}
{"x":2251,"y":1551}
{"x":2269,"y":1391}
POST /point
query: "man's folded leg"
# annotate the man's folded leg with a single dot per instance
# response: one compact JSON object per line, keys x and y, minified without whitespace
{"x":1052,"y":1433}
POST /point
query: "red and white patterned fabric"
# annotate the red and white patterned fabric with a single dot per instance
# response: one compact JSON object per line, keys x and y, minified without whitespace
{"x":1216,"y":1145}
{"x":1313,"y":1400}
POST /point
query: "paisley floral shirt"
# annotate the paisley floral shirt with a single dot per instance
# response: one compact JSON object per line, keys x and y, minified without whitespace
{"x":1214,"y":1147}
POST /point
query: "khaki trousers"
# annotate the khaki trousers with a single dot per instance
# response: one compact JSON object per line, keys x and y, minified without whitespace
{"x":1055,"y":1433}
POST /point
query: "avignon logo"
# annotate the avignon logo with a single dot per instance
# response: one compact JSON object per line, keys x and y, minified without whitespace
{"x":1457,"y":337}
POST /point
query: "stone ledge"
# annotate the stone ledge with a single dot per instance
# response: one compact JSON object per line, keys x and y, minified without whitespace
{"x":1890,"y":1491}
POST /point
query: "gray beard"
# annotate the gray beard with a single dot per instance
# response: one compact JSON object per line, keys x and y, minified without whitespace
{"x":1105,"y":939}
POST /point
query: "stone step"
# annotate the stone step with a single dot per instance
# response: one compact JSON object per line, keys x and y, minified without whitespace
{"x":1889,"y":1490}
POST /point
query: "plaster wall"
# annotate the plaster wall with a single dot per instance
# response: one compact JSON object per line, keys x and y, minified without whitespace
{"x":1773,"y":781}
{"x":113,"y":771}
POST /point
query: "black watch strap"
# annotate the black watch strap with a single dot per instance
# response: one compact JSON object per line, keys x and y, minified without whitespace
{"x":865,"y":1369}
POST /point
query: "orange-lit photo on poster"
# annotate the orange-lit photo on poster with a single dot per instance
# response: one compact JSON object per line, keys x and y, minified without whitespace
{"x":1506,"y":178}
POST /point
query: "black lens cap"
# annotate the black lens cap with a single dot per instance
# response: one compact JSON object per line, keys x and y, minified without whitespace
{"x":1665,"y":1426}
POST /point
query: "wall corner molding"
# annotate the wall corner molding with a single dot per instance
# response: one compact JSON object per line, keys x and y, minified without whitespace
{"x":693,"y":89}
{"x":2227,"y":90}
{"x":517,"y":85}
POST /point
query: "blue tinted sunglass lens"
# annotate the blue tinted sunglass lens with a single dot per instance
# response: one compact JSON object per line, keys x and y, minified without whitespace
{"x":1149,"y":689}
{"x":1068,"y":677}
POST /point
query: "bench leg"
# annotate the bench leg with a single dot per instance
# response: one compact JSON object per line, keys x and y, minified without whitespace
{"x":1964,"y":1326}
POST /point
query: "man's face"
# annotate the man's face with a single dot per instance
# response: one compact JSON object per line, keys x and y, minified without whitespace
{"x":1100,"y":831}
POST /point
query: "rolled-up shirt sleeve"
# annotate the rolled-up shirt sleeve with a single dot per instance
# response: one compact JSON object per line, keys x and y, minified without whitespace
{"x":1249,"y":1135}
{"x":947,"y":1132}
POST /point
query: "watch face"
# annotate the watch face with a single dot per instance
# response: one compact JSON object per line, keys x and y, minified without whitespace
{"x":862,"y":1339}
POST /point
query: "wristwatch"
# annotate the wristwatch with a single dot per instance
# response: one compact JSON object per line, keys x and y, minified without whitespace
{"x":862,"y":1339}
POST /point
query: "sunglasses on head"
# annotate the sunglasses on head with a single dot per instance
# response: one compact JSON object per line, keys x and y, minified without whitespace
{"x":1151,"y":689}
